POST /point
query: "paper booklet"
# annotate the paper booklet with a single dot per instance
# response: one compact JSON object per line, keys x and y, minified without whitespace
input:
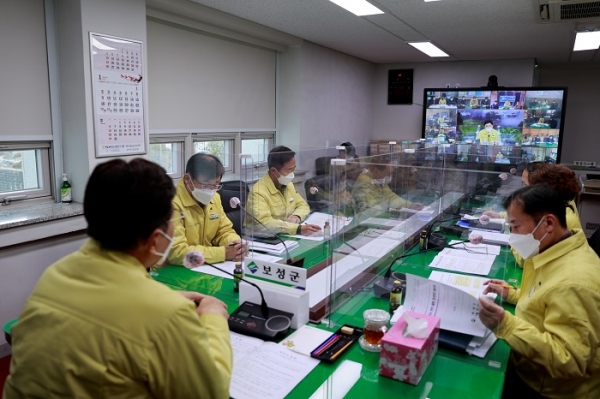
{"x":265,"y":370}
{"x":458,"y":310}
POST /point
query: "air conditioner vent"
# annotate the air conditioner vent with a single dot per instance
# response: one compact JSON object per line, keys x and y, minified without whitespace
{"x":580,"y":11}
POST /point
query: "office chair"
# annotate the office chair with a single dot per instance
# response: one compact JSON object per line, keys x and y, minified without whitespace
{"x":594,"y":241}
{"x":319,"y":200}
{"x":322,"y":165}
{"x":234,"y":189}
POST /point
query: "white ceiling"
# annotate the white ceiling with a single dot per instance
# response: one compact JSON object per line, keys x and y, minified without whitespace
{"x":466,"y":29}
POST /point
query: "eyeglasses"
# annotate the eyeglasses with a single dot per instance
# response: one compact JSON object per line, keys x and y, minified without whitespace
{"x":209,"y":186}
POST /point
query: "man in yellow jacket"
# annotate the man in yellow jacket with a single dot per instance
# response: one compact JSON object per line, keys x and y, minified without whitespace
{"x":97,"y":326}
{"x":555,"y":333}
{"x":206,"y":227}
{"x":273,"y":200}
{"x":371,"y":189}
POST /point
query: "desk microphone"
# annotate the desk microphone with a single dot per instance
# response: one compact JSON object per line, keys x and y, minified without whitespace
{"x":234,"y":202}
{"x":196,"y":258}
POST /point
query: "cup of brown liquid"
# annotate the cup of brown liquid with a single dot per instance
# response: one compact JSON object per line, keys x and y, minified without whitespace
{"x":376,"y":324}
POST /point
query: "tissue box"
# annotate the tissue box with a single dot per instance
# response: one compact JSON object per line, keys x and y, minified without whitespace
{"x":406,"y":359}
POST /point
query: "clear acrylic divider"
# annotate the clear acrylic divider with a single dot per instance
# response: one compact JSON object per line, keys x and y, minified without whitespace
{"x":414,"y":205}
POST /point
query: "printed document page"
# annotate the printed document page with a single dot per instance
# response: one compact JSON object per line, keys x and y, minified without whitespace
{"x":457,"y":310}
{"x":266,"y":370}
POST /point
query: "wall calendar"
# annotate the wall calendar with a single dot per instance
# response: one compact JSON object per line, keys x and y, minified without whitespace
{"x":118,"y":96}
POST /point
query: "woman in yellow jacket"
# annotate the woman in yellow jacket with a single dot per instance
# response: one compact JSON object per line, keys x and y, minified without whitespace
{"x":206,"y":227}
{"x":562,"y":180}
{"x":554,"y":334}
{"x":98,"y":326}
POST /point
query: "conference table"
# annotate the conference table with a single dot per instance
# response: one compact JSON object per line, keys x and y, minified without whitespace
{"x":451,"y":374}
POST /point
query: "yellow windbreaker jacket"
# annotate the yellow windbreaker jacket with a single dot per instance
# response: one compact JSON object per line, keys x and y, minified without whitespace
{"x":272,"y":207}
{"x":204,"y":228}
{"x":555,"y":333}
{"x":98,"y":326}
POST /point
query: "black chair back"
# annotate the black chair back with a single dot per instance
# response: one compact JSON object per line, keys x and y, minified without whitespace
{"x":230,"y":190}
{"x":594,"y":241}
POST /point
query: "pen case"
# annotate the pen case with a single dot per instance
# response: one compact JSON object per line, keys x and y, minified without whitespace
{"x":337,"y":343}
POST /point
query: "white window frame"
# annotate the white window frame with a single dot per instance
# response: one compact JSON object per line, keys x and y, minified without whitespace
{"x":179,"y":149}
{"x":258,"y":135}
{"x":44,"y":173}
{"x":187,"y":139}
{"x":232,"y":138}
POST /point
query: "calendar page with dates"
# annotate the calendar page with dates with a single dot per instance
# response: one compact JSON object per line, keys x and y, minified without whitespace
{"x":117,"y":96}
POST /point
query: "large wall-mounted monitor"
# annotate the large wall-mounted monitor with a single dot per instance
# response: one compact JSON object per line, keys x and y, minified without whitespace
{"x":505,"y":125}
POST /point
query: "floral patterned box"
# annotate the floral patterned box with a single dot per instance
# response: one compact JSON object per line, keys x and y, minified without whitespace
{"x":406,"y":359}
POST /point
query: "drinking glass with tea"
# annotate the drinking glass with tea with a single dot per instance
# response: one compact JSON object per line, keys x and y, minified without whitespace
{"x":376,"y":324}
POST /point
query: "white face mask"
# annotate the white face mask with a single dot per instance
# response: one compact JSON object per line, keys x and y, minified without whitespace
{"x":382,"y":182}
{"x":203,"y":195}
{"x":165,"y":253}
{"x":489,"y":129}
{"x":525,"y":244}
{"x":285,"y":180}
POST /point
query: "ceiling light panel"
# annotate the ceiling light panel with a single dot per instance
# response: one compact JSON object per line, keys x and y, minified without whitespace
{"x":358,"y":7}
{"x":429,"y":48}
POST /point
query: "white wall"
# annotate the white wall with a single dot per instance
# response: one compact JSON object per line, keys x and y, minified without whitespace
{"x":216,"y":83}
{"x":581,"y":132}
{"x":324,"y":97}
{"x":404,"y":122}
{"x":21,"y":266}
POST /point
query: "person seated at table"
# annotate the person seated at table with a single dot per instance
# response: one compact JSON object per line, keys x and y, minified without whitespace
{"x":474,"y":102}
{"x":206,"y":227}
{"x":554,"y":334}
{"x":332,"y":191}
{"x":488,"y":135}
{"x":442,"y":100}
{"x":353,"y":166}
{"x":97,"y":326}
{"x":273,"y":200}
{"x":371,"y":189}
{"x":560,"y":178}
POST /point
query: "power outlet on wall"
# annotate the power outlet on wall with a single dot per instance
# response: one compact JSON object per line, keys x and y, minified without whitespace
{"x":584,"y":163}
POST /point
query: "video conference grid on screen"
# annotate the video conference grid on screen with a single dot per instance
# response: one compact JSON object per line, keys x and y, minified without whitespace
{"x":525,"y":118}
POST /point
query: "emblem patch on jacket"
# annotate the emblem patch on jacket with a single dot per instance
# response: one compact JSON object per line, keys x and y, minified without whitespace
{"x":213,"y":216}
{"x":291,"y":199}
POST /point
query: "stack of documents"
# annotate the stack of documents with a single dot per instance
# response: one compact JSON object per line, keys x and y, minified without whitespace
{"x":464,"y":261}
{"x":494,"y":238}
{"x":274,"y":249}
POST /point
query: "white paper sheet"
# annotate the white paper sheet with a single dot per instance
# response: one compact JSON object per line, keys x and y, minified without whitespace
{"x":494,"y":238}
{"x":457,"y":310}
{"x":470,"y":284}
{"x":319,"y":219}
{"x":269,"y":371}
{"x":305,"y":339}
{"x":274,"y":249}
{"x":463,"y":261}
{"x":481,"y":351}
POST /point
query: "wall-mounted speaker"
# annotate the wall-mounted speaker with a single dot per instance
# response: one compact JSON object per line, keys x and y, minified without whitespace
{"x":400,"y":86}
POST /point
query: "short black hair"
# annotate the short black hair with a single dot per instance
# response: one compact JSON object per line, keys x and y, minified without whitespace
{"x":537,"y":201}
{"x":488,"y":121}
{"x":206,"y":165}
{"x":125,"y":202}
{"x":279,"y":156}
{"x":350,"y":149}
